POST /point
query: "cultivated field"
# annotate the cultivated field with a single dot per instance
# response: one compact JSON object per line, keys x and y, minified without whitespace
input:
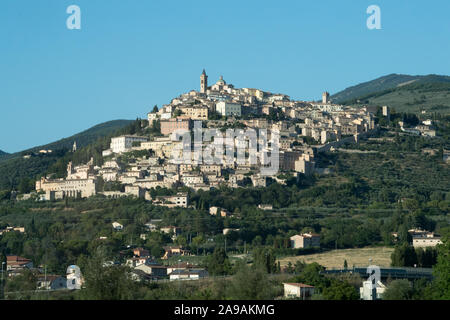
{"x":380,"y":256}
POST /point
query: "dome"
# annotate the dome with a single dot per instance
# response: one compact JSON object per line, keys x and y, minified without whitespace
{"x":221,"y":81}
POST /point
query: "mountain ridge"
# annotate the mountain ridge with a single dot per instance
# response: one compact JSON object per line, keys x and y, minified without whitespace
{"x":19,"y":171}
{"x":82,"y":138}
{"x":386,"y":82}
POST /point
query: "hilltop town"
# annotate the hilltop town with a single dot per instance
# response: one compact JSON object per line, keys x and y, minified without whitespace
{"x":223,"y":178}
{"x":304,"y":128}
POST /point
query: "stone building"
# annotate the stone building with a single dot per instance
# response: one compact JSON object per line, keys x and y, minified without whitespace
{"x":80,"y":182}
{"x":298,"y":290}
{"x":305,"y":240}
{"x":195,"y":112}
{"x":171,"y":125}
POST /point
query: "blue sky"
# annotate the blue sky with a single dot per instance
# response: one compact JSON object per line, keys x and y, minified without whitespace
{"x":131,"y":55}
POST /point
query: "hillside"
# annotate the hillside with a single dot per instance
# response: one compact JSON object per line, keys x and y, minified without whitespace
{"x":15,"y":169}
{"x":405,"y":93}
{"x":412,"y":98}
{"x":2,"y":153}
{"x":83,"y":138}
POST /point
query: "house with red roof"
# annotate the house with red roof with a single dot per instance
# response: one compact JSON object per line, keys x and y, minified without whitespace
{"x":15,"y":263}
{"x":298,"y":290}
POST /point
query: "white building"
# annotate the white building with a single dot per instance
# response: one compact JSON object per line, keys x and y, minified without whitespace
{"x":298,"y":290}
{"x":188,"y":274}
{"x":152,"y":225}
{"x":117,"y":226}
{"x":124,"y":143}
{"x":228,"y":108}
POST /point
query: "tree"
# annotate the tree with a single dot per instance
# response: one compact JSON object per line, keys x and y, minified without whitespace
{"x":398,"y":290}
{"x":422,"y":222}
{"x":182,"y":241}
{"x":218,"y":263}
{"x":404,"y":235}
{"x":340,"y":290}
{"x":106,"y":282}
{"x":299,"y":266}
{"x":26,"y":185}
{"x":23,"y":282}
{"x":310,"y":275}
{"x":177,"y":113}
{"x":265,"y":258}
{"x":157,"y":251}
{"x":403,"y":256}
{"x":289,"y":268}
{"x":250,"y":284}
{"x":155,"y":129}
{"x":155,"y":109}
{"x":426,"y":258}
{"x":441,"y":272}
{"x":257,"y":241}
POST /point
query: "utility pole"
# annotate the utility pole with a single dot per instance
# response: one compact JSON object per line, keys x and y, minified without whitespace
{"x":3,"y":285}
{"x":45,"y":276}
{"x":179,"y":277}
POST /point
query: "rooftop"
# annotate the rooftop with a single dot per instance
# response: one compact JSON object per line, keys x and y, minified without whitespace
{"x":299,"y":285}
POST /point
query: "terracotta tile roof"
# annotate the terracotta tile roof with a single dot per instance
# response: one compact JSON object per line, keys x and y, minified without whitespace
{"x":16,"y":260}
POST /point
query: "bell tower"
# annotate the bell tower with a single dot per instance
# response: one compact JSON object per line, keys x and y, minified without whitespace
{"x":203,"y":82}
{"x":69,"y":170}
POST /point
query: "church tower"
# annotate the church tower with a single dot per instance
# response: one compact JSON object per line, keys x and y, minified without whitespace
{"x":325,"y":98}
{"x":69,"y":170}
{"x":203,"y":82}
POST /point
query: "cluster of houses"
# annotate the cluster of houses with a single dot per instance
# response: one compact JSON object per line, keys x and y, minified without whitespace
{"x":327,"y":124}
{"x":15,"y":265}
{"x":426,"y":128}
{"x":145,"y":268}
{"x":151,"y":226}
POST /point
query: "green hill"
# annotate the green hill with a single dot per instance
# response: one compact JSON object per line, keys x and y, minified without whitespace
{"x":3,"y":153}
{"x":83,"y":139}
{"x":402,"y":92}
{"x":16,"y":170}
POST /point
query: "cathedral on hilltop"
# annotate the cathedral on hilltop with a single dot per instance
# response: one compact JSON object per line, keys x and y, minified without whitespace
{"x":219,"y":86}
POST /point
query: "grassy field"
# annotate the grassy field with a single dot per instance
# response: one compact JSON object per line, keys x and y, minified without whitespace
{"x":380,"y":256}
